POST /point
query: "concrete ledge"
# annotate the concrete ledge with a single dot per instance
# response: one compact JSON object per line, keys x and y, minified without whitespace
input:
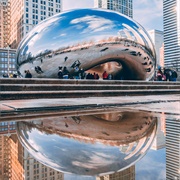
{"x":65,"y":87}
{"x":12,"y":95}
{"x":81,"y":81}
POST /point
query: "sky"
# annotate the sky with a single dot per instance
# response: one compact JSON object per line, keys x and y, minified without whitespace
{"x":148,"y":13}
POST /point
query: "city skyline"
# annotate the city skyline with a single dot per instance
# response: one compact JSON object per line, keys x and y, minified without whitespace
{"x":142,"y":10}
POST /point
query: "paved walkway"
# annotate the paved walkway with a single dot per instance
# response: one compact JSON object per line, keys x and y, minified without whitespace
{"x":155,"y":102}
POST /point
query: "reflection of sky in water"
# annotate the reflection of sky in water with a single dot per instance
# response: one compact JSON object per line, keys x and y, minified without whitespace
{"x":82,"y":156}
{"x":152,"y":166}
{"x":89,"y":155}
{"x":70,"y":27}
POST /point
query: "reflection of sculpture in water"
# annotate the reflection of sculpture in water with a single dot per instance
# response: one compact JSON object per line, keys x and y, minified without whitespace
{"x":89,"y":144}
{"x":118,"y":41}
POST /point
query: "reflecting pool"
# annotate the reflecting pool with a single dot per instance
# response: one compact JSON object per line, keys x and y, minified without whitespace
{"x":122,"y":144}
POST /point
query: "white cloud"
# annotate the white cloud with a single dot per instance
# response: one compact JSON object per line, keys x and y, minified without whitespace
{"x":94,"y":23}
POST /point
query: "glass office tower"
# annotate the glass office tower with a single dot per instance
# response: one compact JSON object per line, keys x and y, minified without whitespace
{"x":171,"y":18}
{"x":122,"y":6}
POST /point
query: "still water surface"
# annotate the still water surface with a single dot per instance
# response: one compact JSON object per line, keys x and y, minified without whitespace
{"x":116,"y":145}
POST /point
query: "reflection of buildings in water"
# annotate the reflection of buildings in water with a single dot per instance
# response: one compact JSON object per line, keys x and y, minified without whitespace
{"x":4,"y":163}
{"x":159,"y":140}
{"x":104,"y":128}
{"x":17,"y":164}
{"x":117,"y":140}
{"x":6,"y":149}
{"x":7,"y":127}
{"x":172,"y":149}
{"x":127,"y":174}
{"x":11,"y":161}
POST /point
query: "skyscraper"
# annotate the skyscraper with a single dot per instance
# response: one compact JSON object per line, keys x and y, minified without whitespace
{"x":122,"y":6}
{"x":4,"y":23}
{"x":171,"y":16}
{"x":25,"y":14}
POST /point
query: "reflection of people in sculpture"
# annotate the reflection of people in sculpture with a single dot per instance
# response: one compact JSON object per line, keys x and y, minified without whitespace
{"x":104,"y":127}
{"x":65,"y":59}
{"x":27,"y":74}
{"x":38,"y":70}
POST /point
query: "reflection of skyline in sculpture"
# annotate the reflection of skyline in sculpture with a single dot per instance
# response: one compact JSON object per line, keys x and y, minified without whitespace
{"x":127,"y":174}
{"x":89,"y":145}
{"x":159,"y":140}
{"x":95,"y":38}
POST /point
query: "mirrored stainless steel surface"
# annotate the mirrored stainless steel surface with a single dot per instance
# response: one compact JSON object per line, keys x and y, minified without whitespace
{"x":95,"y":40}
{"x":89,"y":144}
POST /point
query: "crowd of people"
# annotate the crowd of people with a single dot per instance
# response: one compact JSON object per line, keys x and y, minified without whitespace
{"x":166,"y":75}
{"x":79,"y":73}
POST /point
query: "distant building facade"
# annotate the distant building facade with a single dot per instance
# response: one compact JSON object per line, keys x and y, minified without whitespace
{"x":17,"y":18}
{"x":122,"y":6}
{"x":171,"y":17}
{"x":23,"y":15}
{"x":7,"y":62}
{"x":4,"y":23}
{"x":157,"y":39}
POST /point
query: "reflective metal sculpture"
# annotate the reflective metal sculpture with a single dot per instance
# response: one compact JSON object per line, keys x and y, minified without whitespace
{"x":95,"y":40}
{"x":89,"y":144}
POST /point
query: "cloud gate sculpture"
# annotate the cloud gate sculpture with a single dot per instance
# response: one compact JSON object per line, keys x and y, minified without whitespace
{"x":95,"y":40}
{"x":90,"y":144}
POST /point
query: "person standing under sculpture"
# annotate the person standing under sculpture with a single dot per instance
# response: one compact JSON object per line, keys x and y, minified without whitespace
{"x":110,"y":76}
{"x":82,"y":73}
{"x":159,"y":75}
{"x":105,"y":75}
{"x":174,"y":76}
{"x":60,"y":73}
{"x":65,"y":73}
{"x":76,"y":72}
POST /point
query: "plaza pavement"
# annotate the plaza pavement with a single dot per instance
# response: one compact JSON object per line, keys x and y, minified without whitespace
{"x":11,"y":109}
